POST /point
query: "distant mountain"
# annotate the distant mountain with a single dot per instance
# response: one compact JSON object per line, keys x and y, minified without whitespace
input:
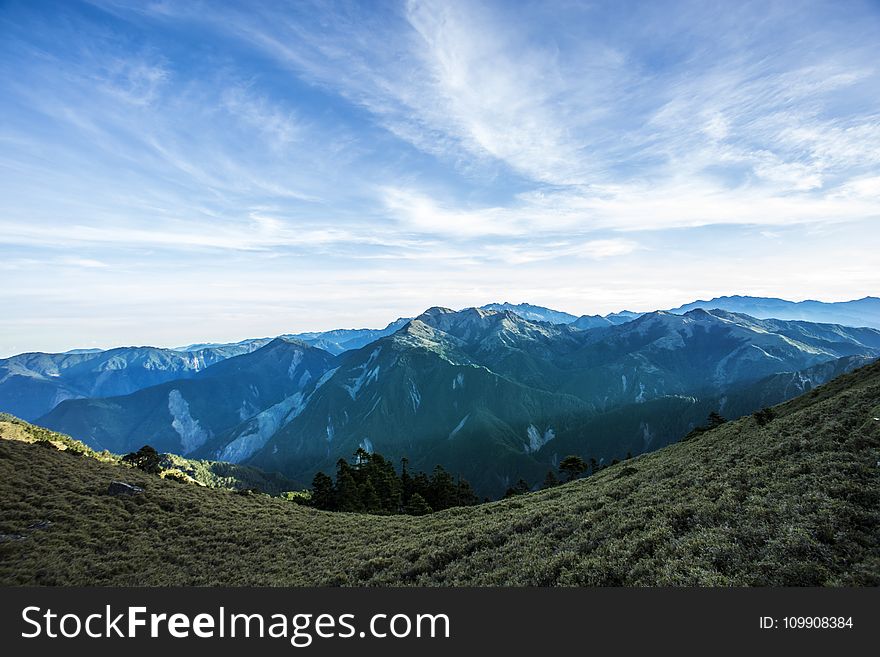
{"x":339,"y":340}
{"x":622,"y":317}
{"x":532,"y":313}
{"x":32,"y":384}
{"x":591,"y":321}
{"x":237,"y":348}
{"x":183,"y":415}
{"x":860,"y":312}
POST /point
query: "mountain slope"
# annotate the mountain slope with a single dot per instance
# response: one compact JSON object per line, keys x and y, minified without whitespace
{"x":32,"y":384}
{"x":662,"y":354}
{"x":213,"y":474}
{"x":859,"y":312}
{"x":794,"y":502}
{"x":180,"y":416}
{"x":494,"y":397}
{"x":425,"y":393}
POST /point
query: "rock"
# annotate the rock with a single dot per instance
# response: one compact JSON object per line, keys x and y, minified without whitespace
{"x":40,"y":524}
{"x":6,"y":538}
{"x":122,"y":488}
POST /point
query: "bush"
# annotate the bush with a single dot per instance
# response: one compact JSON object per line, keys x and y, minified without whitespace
{"x":764,"y":416}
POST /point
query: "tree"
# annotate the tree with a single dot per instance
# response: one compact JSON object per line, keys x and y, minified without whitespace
{"x":370,"y":484}
{"x":146,"y":459}
{"x":417,"y":506}
{"x":714,"y":420}
{"x":348,"y":496}
{"x":370,"y":501}
{"x":442,"y":492}
{"x":550,"y":480}
{"x":322,"y":492}
{"x":572,"y":467}
{"x":407,"y":488}
{"x":519,"y":488}
{"x":466,"y":495}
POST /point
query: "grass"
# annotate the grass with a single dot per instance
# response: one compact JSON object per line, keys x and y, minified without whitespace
{"x":213,"y":474}
{"x":793,"y":502}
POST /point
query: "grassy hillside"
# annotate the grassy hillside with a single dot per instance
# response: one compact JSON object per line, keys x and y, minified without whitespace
{"x":213,"y":474}
{"x":793,"y":502}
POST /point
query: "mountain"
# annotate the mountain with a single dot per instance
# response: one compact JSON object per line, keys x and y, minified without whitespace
{"x":487,"y":394}
{"x":622,"y":317}
{"x":32,"y":384}
{"x":495,"y":397}
{"x":532,"y":313}
{"x":661,"y":353}
{"x":591,"y":321}
{"x":181,"y":416}
{"x":234,"y":348}
{"x":339,"y":340}
{"x":425,"y":392}
{"x":792,"y":501}
{"x":860,"y":312}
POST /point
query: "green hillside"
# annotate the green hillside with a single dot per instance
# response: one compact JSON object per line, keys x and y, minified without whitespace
{"x":212,"y":474}
{"x":795,"y":501}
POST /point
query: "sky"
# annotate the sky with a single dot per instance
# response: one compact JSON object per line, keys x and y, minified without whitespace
{"x":178,"y":172}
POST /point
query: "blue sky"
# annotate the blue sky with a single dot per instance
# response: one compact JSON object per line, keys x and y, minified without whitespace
{"x":173,"y":172}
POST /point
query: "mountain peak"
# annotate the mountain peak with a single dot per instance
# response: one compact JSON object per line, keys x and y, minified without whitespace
{"x":532,"y":312}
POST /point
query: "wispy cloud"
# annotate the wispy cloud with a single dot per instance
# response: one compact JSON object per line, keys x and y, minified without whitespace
{"x":387,"y":156}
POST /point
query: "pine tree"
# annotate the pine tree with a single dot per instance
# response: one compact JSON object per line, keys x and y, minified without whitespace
{"x":347,"y":492}
{"x":572,"y":467}
{"x":370,"y":501}
{"x":442,"y":493}
{"x":417,"y":506}
{"x":322,"y":492}
{"x":519,"y":488}
{"x":465,"y":494}
{"x":550,"y":480}
{"x":715,"y":420}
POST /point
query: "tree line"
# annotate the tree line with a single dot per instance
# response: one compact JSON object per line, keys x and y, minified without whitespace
{"x":371,"y":484}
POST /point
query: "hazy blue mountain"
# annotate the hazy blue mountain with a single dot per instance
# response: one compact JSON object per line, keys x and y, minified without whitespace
{"x":32,"y":384}
{"x":661,"y":353}
{"x":591,"y":322}
{"x":236,"y":348}
{"x":339,"y":340}
{"x":622,"y":317}
{"x":859,"y":312}
{"x":183,"y":415}
{"x":532,"y":313}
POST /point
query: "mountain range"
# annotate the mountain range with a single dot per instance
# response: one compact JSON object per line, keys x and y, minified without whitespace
{"x":32,"y":384}
{"x":859,"y":312}
{"x":487,"y":393}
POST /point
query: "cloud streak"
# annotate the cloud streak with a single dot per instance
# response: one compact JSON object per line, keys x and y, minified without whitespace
{"x":424,"y":152}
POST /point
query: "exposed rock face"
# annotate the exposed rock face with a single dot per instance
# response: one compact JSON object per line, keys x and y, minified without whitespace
{"x":122,"y":488}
